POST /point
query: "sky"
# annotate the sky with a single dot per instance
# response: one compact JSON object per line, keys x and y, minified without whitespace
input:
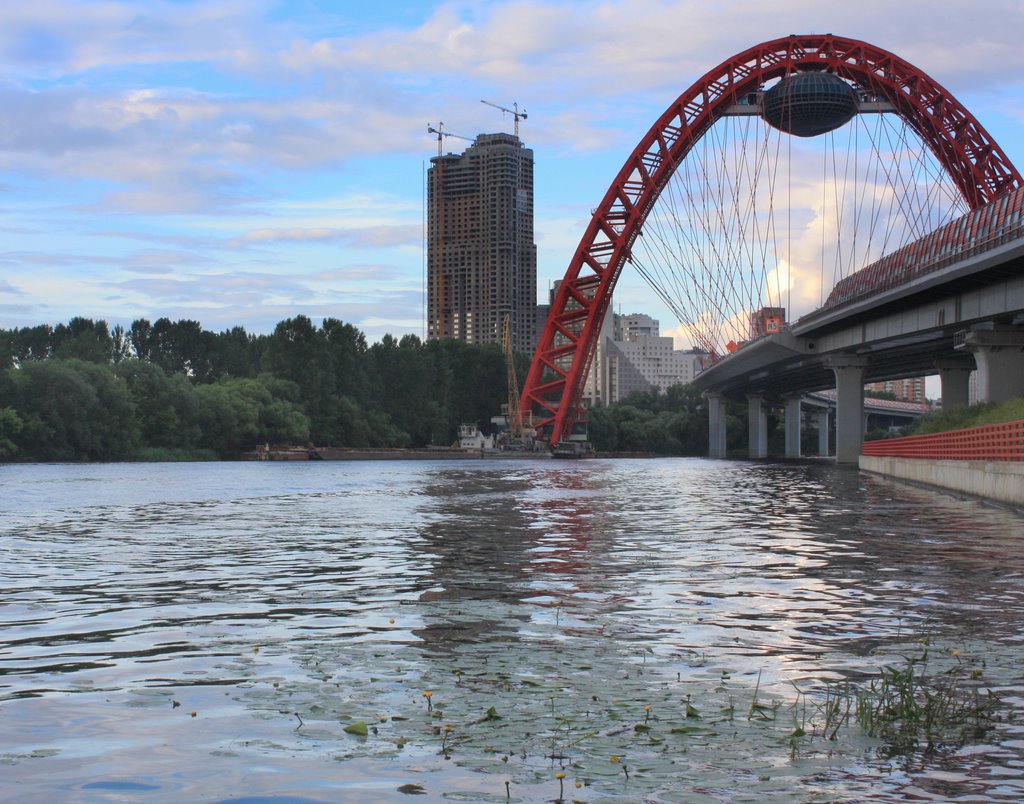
{"x":239,"y":162}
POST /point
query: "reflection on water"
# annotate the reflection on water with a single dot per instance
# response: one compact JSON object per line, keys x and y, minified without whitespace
{"x":280,"y":603}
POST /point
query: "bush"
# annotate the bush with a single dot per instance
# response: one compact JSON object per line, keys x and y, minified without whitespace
{"x":943,"y":421}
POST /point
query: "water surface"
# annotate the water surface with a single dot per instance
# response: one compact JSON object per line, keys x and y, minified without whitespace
{"x":206,"y":632}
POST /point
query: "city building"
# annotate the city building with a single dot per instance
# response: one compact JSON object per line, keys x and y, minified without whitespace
{"x":910,"y":389}
{"x":481,"y":258}
{"x":633,"y":356}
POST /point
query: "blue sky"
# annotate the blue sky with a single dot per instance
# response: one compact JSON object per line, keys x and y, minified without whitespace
{"x":243,"y":161}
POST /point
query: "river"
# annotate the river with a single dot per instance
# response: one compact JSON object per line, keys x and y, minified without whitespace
{"x":655,"y":630}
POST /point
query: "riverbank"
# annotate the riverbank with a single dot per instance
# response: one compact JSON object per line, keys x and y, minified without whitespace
{"x":282,"y":453}
{"x":999,"y":481}
{"x":273,"y":453}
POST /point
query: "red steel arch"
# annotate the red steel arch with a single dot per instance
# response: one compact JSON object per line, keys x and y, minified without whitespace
{"x":968,"y":154}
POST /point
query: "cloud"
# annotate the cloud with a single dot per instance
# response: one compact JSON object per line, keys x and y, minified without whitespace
{"x":56,"y":37}
{"x":233,"y":152}
{"x":594,"y":70}
{"x":366,"y":237}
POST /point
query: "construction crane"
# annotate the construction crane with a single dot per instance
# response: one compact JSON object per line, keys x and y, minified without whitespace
{"x":514,"y":111}
{"x":440,"y":132}
{"x":518,"y":428}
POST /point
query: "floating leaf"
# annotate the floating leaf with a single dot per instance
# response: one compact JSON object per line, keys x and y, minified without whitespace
{"x":492,"y":714}
{"x":358,"y":728}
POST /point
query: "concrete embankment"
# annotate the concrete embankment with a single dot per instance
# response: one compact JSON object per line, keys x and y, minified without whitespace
{"x":1000,"y":481}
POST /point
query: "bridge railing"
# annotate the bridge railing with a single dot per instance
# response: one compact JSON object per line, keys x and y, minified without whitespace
{"x":990,"y":442}
{"x":979,"y":230}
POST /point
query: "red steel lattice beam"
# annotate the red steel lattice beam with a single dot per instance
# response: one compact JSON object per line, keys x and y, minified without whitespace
{"x":973,"y":160}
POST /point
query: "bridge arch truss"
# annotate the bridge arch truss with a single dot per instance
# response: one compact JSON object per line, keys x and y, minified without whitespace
{"x":970,"y":157}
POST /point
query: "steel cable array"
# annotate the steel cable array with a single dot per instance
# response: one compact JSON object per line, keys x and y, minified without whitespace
{"x":716,"y":247}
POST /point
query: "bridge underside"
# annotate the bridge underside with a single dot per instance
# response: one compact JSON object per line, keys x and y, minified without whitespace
{"x":905,"y":332}
{"x":968,"y":315}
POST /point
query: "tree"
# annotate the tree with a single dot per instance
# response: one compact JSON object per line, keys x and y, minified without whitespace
{"x":140,"y":335}
{"x":121,"y":348}
{"x":10,"y":426}
{"x":234,"y":353}
{"x":83,"y":339}
{"x":237,"y":414}
{"x":669,"y":423}
{"x":73,"y":410}
{"x":33,"y":343}
{"x":181,"y":347}
{"x":167,"y":409}
{"x":297,"y":351}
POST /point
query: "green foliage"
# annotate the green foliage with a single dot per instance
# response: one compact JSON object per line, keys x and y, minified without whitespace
{"x":166,"y":406}
{"x":236,"y":414}
{"x":910,"y":709}
{"x":672,"y":423}
{"x":83,"y":339}
{"x":941,"y":421}
{"x":10,"y":425}
{"x":170,"y":390}
{"x":73,"y":410}
{"x":164,"y":454}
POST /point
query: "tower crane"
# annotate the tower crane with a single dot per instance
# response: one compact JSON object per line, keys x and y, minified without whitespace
{"x":440,"y":132}
{"x":514,"y":111}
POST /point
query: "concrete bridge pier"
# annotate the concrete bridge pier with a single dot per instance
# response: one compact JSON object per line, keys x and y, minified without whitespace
{"x":716,"y":424}
{"x":757,"y":426}
{"x":792,"y":426}
{"x":823,"y":420}
{"x":849,"y":372}
{"x":999,"y":353}
{"x":955,"y":377}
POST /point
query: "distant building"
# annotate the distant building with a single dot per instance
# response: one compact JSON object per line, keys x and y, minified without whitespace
{"x":910,"y":389}
{"x":635,"y":326}
{"x":638,"y":358}
{"x":481,"y":258}
{"x":767,"y":321}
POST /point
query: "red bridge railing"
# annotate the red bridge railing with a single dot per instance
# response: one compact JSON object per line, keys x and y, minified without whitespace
{"x":991,"y":442}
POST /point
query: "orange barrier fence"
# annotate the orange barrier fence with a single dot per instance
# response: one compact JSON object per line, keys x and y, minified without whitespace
{"x":991,"y":442}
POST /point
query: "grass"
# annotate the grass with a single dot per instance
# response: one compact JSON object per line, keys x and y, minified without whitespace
{"x":911,"y":710}
{"x":169,"y":454}
{"x":942,"y":421}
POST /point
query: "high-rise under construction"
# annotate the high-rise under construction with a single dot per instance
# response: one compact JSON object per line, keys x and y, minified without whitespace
{"x":481,"y":258}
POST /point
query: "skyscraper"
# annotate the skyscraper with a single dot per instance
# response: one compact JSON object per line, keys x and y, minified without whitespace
{"x":481,"y":258}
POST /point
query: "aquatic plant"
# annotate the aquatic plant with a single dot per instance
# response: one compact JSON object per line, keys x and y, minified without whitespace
{"x":909,"y":709}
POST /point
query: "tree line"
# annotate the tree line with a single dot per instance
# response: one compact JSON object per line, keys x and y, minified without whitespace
{"x":172,"y":390}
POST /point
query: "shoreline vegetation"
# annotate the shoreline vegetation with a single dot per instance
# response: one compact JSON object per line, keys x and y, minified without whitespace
{"x":942,"y":421}
{"x":172,"y":391}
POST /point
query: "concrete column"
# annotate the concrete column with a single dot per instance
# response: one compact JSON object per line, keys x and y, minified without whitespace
{"x":757,"y":426}
{"x":955,"y":377}
{"x":793,"y":427}
{"x":823,"y":416}
{"x":999,"y":353}
{"x":849,"y":371}
{"x":716,"y":425}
